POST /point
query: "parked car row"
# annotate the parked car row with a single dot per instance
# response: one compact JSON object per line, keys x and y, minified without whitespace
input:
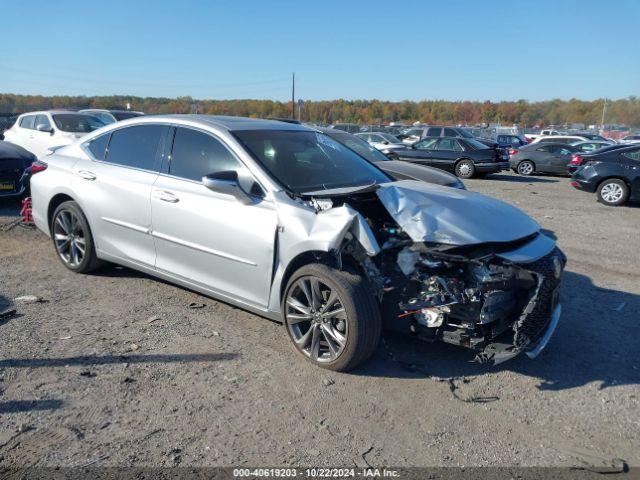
{"x":39,"y":132}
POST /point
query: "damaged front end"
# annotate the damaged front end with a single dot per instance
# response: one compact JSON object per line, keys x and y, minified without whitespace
{"x":456,"y":267}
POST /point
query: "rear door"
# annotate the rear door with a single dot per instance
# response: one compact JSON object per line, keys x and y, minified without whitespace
{"x":561,"y":156}
{"x":447,"y":152}
{"x":115,"y":189}
{"x":209,"y":238}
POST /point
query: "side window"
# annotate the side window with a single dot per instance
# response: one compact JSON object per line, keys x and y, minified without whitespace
{"x":98,"y":146}
{"x":135,"y":146}
{"x":448,"y":144}
{"x":42,"y":120}
{"x":427,"y":144}
{"x":28,"y":122}
{"x":376,"y":138}
{"x":565,"y":151}
{"x":502,"y":139}
{"x":634,"y":155}
{"x":196,"y":154}
{"x":546,"y":148}
{"x":434,"y":132}
{"x":450,"y":132}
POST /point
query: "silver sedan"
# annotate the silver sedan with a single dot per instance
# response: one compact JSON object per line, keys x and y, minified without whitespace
{"x":288,"y":223}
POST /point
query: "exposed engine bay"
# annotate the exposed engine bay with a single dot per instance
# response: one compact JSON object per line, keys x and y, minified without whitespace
{"x":466,"y":295}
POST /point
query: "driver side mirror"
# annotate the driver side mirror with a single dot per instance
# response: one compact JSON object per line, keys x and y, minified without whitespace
{"x":227,"y":182}
{"x":385,"y":142}
{"x":44,"y":128}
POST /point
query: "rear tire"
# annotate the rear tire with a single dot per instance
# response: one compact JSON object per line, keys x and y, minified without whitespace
{"x":72,"y":238}
{"x":613,"y":192}
{"x":331,"y":317}
{"x":465,"y":169}
{"x":526,"y":167}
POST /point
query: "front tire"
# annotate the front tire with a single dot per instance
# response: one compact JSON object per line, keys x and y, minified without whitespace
{"x":72,"y":238}
{"x":331,"y":317}
{"x":465,"y":169}
{"x":613,"y":192}
{"x":526,"y":168}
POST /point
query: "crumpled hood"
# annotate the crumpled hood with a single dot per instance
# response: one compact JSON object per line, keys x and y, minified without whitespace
{"x":432,"y":213}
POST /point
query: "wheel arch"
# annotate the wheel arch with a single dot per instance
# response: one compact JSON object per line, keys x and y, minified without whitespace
{"x":342,"y":262}
{"x":55,"y":201}
{"x":613,"y":177}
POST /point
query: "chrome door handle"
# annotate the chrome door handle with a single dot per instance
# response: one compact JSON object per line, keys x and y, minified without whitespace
{"x":166,"y":196}
{"x":87,"y":175}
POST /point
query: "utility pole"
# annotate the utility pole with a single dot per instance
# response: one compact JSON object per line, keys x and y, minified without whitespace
{"x":604,"y":109}
{"x":293,"y":96}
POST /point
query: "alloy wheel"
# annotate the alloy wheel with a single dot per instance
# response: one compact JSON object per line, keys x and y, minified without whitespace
{"x":69,"y":238}
{"x":316,"y":319}
{"x":611,"y":192}
{"x":525,"y":168}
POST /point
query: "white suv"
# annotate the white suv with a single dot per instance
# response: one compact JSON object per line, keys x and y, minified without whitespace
{"x":38,"y":132}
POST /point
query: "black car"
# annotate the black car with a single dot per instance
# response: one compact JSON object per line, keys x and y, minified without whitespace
{"x":541,"y":157}
{"x":15,"y":170}
{"x":613,"y":174}
{"x":396,"y":169}
{"x":466,"y":157}
{"x":458,"y":132}
{"x":579,"y":158}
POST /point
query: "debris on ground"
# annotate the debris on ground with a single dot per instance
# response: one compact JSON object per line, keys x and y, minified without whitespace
{"x":133,"y":347}
{"x":152,"y":319}
{"x":596,"y":464}
{"x":128,"y":380}
{"x":88,"y":374}
{"x":27,"y":299}
{"x":194,"y":305}
{"x":24,"y":427}
{"x":327,"y":382}
{"x":91,"y":462}
{"x":7,"y":314}
{"x":473,"y":399}
{"x":68,"y":337}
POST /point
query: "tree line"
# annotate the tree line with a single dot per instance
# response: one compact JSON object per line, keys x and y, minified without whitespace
{"x":625,"y":111}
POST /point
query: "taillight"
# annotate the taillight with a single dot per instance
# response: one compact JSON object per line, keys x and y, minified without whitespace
{"x":576,"y":160}
{"x":575,"y":184}
{"x":38,"y":166}
{"x":513,"y":151}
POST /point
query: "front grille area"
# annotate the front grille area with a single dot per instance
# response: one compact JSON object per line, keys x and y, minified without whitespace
{"x":537,"y":314}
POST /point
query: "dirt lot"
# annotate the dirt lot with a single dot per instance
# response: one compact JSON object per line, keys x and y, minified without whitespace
{"x":114,"y":368}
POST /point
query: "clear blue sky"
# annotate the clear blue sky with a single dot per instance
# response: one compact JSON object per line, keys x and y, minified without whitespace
{"x":390,"y":50}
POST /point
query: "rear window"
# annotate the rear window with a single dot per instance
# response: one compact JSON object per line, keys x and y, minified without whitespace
{"x":76,"y":122}
{"x":434,"y":132}
{"x":475,"y":144}
{"x":135,"y":146}
{"x":125,"y":115}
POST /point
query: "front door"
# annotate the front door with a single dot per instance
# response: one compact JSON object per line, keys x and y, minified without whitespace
{"x":208,"y":238}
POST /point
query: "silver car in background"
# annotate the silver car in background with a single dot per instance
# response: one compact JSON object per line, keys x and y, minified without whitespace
{"x":286,"y":222}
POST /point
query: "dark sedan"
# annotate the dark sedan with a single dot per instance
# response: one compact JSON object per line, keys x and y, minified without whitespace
{"x":398,"y":170}
{"x":15,"y":169}
{"x":466,"y":157}
{"x":614,"y":175}
{"x":542,"y":158}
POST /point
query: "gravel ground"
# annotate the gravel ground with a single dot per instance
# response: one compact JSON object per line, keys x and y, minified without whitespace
{"x":115,"y":368}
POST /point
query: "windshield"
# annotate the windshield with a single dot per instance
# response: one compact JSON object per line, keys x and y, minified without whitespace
{"x":76,"y":122}
{"x":466,"y":133}
{"x":475,"y":144}
{"x":359,"y":146}
{"x":390,"y":138}
{"x":307,"y":161}
{"x":104,"y":117}
{"x":125,"y":115}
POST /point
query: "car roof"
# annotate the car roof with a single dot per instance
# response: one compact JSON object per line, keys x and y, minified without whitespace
{"x":40,"y":112}
{"x":222,"y":122}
